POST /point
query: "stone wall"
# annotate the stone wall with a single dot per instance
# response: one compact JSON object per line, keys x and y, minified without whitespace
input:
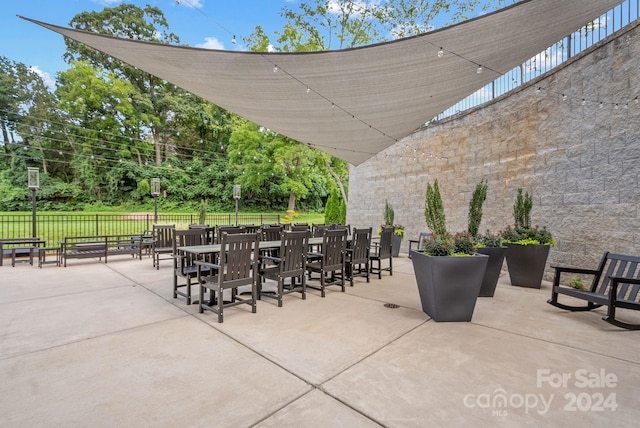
{"x":580,"y":161}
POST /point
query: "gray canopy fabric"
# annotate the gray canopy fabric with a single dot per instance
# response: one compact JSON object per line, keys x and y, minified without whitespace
{"x":355,"y":103}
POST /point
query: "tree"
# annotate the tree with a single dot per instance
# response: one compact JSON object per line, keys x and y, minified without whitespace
{"x":335,"y":210}
{"x":154,"y":99}
{"x":272,"y":167}
{"x":342,"y":24}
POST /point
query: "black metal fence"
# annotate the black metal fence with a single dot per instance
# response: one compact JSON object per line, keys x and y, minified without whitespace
{"x":576,"y":42}
{"x":54,"y":227}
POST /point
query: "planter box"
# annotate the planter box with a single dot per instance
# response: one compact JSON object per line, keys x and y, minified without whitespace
{"x":449,"y":286}
{"x":397,"y":242}
{"x":526,"y":264}
{"x":494,"y":266}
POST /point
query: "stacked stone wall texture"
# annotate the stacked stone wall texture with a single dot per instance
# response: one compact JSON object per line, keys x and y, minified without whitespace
{"x":579,"y":160}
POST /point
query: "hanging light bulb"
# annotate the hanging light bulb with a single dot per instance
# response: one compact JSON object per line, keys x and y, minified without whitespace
{"x":601,"y":104}
{"x":440,"y":53}
{"x":635,"y":100}
{"x":308,"y":89}
{"x":538,"y":89}
{"x":584,"y":101}
{"x":233,"y":40}
{"x":479,"y":69}
{"x":615,"y":106}
{"x":564,"y":97}
{"x":275,"y":68}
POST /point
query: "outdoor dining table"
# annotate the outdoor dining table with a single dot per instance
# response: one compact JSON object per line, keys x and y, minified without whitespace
{"x":209,"y":250}
{"x":202,"y":250}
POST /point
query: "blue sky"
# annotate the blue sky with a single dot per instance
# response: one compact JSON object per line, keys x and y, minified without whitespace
{"x":206,"y":23}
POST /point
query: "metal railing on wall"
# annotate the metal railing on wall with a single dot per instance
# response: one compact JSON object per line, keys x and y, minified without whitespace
{"x":54,"y":227}
{"x":571,"y":45}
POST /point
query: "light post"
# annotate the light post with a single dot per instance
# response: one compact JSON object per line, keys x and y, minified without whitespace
{"x":236,"y":196}
{"x":155,"y":192}
{"x":33,"y":177}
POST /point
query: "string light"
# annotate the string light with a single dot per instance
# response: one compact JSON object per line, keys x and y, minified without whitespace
{"x":440,"y":53}
{"x":275,"y":68}
{"x":479,"y":69}
{"x":233,"y":40}
{"x":615,"y":104}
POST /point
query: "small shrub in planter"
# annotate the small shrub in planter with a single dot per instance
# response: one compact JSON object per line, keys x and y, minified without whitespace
{"x":528,"y":247}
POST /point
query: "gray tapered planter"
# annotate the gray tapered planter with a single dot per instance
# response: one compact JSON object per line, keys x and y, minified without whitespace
{"x":397,"y":242}
{"x":526,"y":264}
{"x":494,"y":266}
{"x":449,"y":286}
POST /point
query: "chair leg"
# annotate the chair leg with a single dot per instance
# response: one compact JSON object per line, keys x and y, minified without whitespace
{"x":200,"y":310}
{"x":188,"y":293}
{"x":175,"y":286}
{"x":220,"y":304}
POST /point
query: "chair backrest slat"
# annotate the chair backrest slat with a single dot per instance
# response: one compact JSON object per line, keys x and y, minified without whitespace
{"x":334,"y":244}
{"x":236,"y":258}
{"x":386,"y":239}
{"x":163,"y":235}
{"x":293,"y":250}
{"x":360,"y":245}
{"x":271,"y":232}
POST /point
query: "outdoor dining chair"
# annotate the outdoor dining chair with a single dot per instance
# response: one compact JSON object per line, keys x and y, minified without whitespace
{"x":208,"y":229}
{"x":291,"y":263}
{"x":235,"y":268}
{"x":329,"y":263}
{"x":184,"y":262}
{"x":162,"y":242}
{"x":230,"y":229}
{"x":357,"y":259}
{"x":381,"y":252}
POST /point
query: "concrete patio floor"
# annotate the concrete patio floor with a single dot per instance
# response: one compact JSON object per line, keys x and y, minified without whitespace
{"x":99,"y":344}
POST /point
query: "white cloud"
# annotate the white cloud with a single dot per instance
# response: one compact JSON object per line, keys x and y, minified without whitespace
{"x":211,"y":43}
{"x":46,"y":78}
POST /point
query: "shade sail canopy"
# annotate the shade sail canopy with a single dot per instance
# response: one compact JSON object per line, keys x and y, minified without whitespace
{"x":355,"y":103}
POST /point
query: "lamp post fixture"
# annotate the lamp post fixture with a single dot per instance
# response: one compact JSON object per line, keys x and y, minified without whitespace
{"x":236,"y":196}
{"x":33,"y":176}
{"x":155,"y":192}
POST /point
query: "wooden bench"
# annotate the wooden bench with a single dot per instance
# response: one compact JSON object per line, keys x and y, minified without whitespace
{"x":78,"y":247}
{"x":615,"y":284}
{"x":12,"y":247}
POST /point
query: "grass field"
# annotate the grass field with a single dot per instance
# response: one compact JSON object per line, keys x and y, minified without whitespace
{"x":54,"y":226}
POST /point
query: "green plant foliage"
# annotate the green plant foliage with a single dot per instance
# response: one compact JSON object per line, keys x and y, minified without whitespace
{"x":530,"y":236}
{"x":522,"y":210}
{"x":439,"y":245}
{"x":576,"y":282}
{"x":434,"y":210}
{"x":202,"y":212}
{"x":463,"y":243}
{"x":335,"y":210}
{"x":475,"y":207}
{"x":489,"y":239}
{"x":388,"y":214}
